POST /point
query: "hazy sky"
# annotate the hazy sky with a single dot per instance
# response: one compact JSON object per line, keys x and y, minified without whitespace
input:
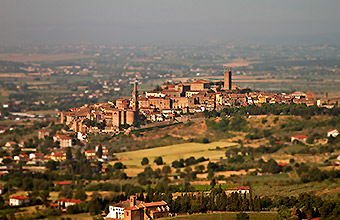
{"x":167,"y":21}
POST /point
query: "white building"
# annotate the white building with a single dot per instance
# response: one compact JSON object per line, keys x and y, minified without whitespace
{"x":334,"y":133}
{"x":115,"y":213}
{"x":18,"y":200}
{"x":302,"y":138}
{"x":117,"y":210}
{"x":69,"y":202}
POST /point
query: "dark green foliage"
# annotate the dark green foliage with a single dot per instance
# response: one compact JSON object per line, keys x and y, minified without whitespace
{"x":119,"y":166}
{"x":68,"y":154}
{"x":187,"y":162}
{"x":145,"y":161}
{"x":236,"y":159}
{"x":271,"y":167}
{"x":242,"y":216}
{"x":99,"y":152}
{"x":236,"y":123}
{"x":158,"y":160}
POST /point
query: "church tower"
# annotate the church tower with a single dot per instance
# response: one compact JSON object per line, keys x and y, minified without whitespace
{"x":135,"y":98}
{"x":227,"y":79}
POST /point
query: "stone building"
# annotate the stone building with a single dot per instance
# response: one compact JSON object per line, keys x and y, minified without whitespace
{"x":145,"y":211}
{"x":227,"y":79}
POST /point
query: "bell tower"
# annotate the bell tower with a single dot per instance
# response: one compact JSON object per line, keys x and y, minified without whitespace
{"x":227,"y":79}
{"x":135,"y":98}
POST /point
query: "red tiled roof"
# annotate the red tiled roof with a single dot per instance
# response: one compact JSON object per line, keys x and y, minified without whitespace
{"x":63,"y":137}
{"x":151,"y":204}
{"x":200,"y":82}
{"x":300,"y":136}
{"x":71,"y":201}
{"x":144,"y":205}
{"x":63,"y":183}
{"x":332,"y":130}
{"x":19,"y":197}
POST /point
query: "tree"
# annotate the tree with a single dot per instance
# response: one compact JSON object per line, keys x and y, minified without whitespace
{"x":158,"y":160}
{"x":199,"y":168}
{"x":51,"y":164}
{"x":310,"y":140}
{"x":118,"y":166}
{"x":80,"y":194}
{"x":44,"y":196}
{"x":145,"y":161}
{"x":66,"y":192}
{"x":213,"y":183}
{"x":99,"y":152}
{"x":166,"y":170}
{"x":68,"y":154}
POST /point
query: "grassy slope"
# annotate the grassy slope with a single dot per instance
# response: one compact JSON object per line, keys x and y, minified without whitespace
{"x":211,"y":216}
{"x":170,"y":153}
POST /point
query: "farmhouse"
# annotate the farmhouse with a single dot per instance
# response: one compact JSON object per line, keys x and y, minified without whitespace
{"x":18,"y":200}
{"x":43,"y":133}
{"x":68,"y":202}
{"x":332,"y":133}
{"x":302,"y":138}
{"x":10,"y":144}
{"x":64,"y":140}
{"x":116,"y":211}
{"x":90,"y":154}
{"x":238,"y":189}
{"x":152,"y":210}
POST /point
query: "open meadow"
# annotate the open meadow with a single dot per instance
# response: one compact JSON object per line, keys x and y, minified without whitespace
{"x":170,"y":153}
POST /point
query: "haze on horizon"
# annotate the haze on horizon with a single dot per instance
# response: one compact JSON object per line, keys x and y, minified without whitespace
{"x":168,"y":22}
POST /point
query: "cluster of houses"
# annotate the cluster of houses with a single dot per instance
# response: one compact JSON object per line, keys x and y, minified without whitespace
{"x":303,"y":138}
{"x":173,"y":100}
{"x":130,"y":209}
{"x":133,"y":209}
{"x":30,"y":156}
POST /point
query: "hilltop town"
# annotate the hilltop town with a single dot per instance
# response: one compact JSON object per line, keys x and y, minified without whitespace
{"x":172,"y":102}
{"x":191,"y":130}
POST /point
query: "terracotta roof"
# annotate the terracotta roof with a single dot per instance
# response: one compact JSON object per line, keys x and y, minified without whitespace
{"x":146,"y":205}
{"x":126,"y":204}
{"x":62,"y":137}
{"x":63,"y":183}
{"x":19,"y":197}
{"x":200,"y":82}
{"x":300,"y":136}
{"x":332,"y":130}
{"x":71,"y":201}
{"x":151,"y":204}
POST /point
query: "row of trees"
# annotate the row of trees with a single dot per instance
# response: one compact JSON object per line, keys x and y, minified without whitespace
{"x":275,"y":109}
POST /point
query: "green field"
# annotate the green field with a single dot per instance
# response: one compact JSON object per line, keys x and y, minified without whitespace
{"x":175,"y":152}
{"x":132,"y":159}
{"x":228,"y":215}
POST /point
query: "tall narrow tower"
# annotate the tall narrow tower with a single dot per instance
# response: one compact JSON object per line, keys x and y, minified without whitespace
{"x":227,"y":79}
{"x":134,"y":98}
